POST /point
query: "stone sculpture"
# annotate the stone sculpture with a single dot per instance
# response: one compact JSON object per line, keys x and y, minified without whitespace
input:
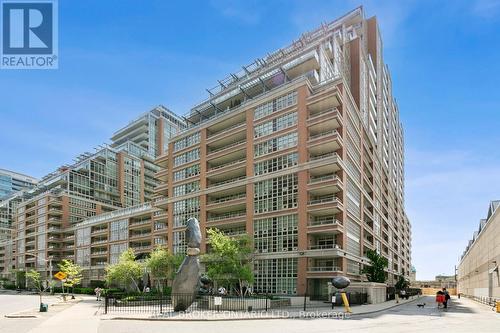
{"x":186,"y":282}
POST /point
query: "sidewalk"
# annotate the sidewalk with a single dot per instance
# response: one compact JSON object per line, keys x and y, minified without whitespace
{"x":281,"y":313}
{"x":82,"y":317}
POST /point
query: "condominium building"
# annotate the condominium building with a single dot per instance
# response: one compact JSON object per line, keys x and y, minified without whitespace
{"x":478,"y":272}
{"x":303,"y":150}
{"x":151,"y":131}
{"x":11,"y":182}
{"x":100,"y":182}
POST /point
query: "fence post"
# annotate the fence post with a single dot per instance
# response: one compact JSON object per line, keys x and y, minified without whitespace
{"x":161,"y":301}
{"x":305,"y":296}
{"x":106,"y":304}
{"x":267,"y":298}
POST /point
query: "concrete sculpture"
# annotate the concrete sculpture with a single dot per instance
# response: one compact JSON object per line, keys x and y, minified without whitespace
{"x":186,"y":282}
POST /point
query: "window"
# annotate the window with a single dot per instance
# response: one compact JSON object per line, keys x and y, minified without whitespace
{"x":276,"y":124}
{"x":190,"y":171}
{"x":186,"y":188}
{"x":119,"y":230}
{"x":276,"y":144}
{"x":187,"y":157}
{"x":276,"y":164}
{"x":185,"y":209}
{"x":276,"y":194}
{"x":275,"y":105}
{"x":276,"y":234}
{"x":276,"y":276}
{"x":187,"y":141}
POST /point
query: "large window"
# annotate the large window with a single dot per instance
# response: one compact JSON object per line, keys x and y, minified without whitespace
{"x":190,"y":171}
{"x":119,"y":230}
{"x":186,"y":188}
{"x":275,"y":105}
{"x":276,"y":144}
{"x":187,"y":141}
{"x":115,"y":250}
{"x":83,"y":236}
{"x":276,"y":124}
{"x":276,"y":276}
{"x":276,"y":234}
{"x":276,"y":164}
{"x":185,"y":209}
{"x":276,"y":194}
{"x":187,"y":157}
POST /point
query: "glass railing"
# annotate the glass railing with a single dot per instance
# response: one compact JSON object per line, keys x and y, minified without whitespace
{"x":324,"y":246}
{"x":324,"y":269}
{"x":324,"y":200}
{"x":227,"y":147}
{"x":329,"y":221}
{"x":313,"y":180}
{"x":227,"y":216}
{"x":227,"y":164}
{"x":228,"y":198}
{"x":322,"y":134}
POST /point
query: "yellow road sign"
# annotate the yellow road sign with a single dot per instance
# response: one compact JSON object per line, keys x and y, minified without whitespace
{"x":60,"y":275}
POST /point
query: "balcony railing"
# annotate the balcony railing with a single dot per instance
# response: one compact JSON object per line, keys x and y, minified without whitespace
{"x":329,"y":221}
{"x":226,"y":147}
{"x":313,"y":180}
{"x":324,"y":246}
{"x":322,"y":134}
{"x":232,"y":180}
{"x":320,"y":157}
{"x":324,"y":269}
{"x":225,"y":130}
{"x":227,"y":164}
{"x":324,"y":200}
{"x":228,"y":198}
{"x":320,"y":113}
{"x":226,"y":216}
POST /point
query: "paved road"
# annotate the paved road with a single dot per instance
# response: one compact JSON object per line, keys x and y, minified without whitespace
{"x":462,"y":316}
{"x":10,"y":303}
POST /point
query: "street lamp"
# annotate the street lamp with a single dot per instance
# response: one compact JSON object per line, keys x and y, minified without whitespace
{"x":50,"y":269}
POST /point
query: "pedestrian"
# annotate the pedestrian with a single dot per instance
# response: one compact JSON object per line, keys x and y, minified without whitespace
{"x":440,"y":298}
{"x":222,"y":291}
{"x":97,"y":292}
{"x":446,"y":298}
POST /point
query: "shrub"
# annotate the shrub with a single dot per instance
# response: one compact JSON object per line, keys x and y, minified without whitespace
{"x":9,"y":286}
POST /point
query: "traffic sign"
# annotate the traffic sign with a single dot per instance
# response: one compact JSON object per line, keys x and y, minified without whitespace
{"x":60,"y":275}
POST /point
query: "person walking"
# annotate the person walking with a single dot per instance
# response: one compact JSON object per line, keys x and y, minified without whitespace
{"x":446,"y":298}
{"x":440,"y":298}
{"x":97,"y":292}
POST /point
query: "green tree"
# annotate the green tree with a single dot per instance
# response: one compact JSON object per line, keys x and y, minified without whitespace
{"x":162,"y":265}
{"x":35,"y":279}
{"x":126,"y":272}
{"x":229,"y":260}
{"x":20,"y":279}
{"x":73,"y":273}
{"x":375,"y":272}
{"x":402,"y":283}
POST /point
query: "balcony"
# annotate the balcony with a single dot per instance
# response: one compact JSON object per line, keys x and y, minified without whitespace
{"x":227,"y":157}
{"x":324,"y":184}
{"x":227,"y":181}
{"x":99,"y":231}
{"x":328,"y":269}
{"x":235,"y":165}
{"x":324,"y":142}
{"x":326,"y":119}
{"x":229,"y":217}
{"x":144,"y":234}
{"x":222,"y":129}
{"x":321,"y":224}
{"x":227,"y":137}
{"x":140,"y":223}
{"x":328,"y":204}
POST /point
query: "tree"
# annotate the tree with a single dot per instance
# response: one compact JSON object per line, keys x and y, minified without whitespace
{"x":73,"y":273}
{"x":230,"y":260}
{"x":163,"y":265}
{"x":402,"y":283}
{"x":35,"y":279}
{"x":126,"y":272}
{"x":20,"y":279}
{"x":375,"y":272}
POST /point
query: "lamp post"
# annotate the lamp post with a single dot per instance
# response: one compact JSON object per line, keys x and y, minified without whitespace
{"x":50,"y":269}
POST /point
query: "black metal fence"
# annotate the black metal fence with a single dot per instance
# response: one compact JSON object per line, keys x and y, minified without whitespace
{"x":157,"y":304}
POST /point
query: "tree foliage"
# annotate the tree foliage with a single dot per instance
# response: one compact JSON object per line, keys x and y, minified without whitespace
{"x":127,"y":272}
{"x":402,"y":283}
{"x":34,"y":278}
{"x":73,"y":273}
{"x":162,"y":265}
{"x":229,"y":261}
{"x":375,"y":271}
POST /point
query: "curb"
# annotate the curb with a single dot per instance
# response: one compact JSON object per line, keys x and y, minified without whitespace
{"x":21,"y":316}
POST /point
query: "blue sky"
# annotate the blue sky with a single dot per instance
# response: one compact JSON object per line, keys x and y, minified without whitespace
{"x":120,"y":58}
